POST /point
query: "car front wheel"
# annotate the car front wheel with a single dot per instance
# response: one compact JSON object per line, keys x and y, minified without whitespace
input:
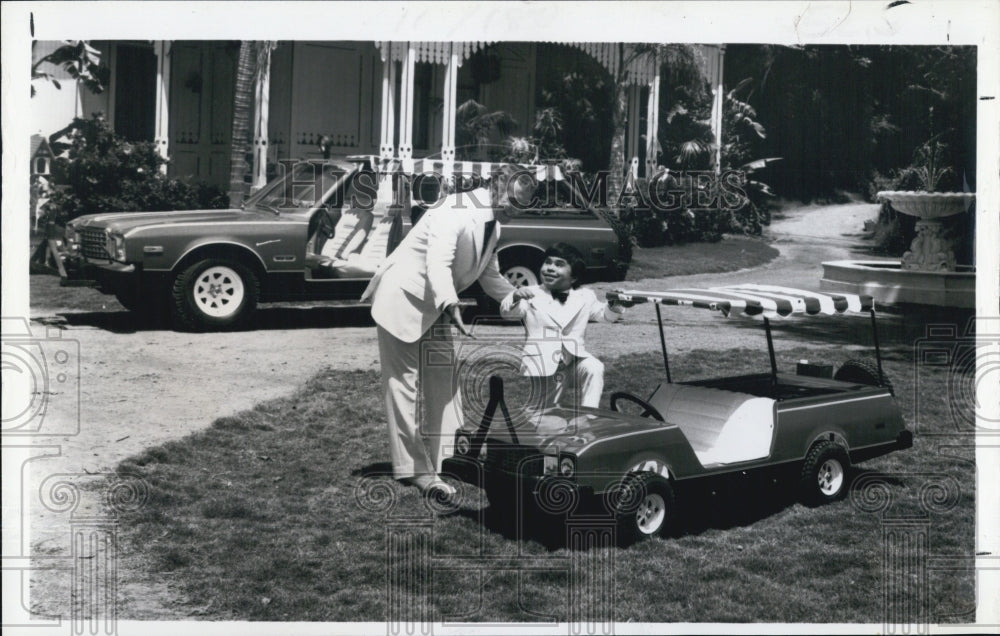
{"x":215,"y":294}
{"x":824,"y":473}
{"x":520,"y":266}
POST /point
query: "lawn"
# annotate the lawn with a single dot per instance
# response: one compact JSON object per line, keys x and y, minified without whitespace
{"x":284,"y":512}
{"x":728,"y":255}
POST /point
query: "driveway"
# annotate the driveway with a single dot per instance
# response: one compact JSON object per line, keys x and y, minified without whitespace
{"x":142,"y":388}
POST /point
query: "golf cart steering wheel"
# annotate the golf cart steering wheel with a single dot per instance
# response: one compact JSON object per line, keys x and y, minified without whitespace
{"x":648,"y":409}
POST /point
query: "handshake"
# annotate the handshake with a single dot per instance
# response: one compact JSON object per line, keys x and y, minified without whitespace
{"x":619,"y":298}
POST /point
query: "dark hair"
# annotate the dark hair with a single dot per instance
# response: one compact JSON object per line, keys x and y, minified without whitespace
{"x":506,"y":176}
{"x":578,"y":266}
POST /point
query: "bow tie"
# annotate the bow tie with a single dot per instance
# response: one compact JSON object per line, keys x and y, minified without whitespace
{"x":561,"y":296}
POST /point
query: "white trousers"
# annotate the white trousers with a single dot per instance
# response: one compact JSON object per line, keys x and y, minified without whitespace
{"x":424,"y":369}
{"x":579,"y":382}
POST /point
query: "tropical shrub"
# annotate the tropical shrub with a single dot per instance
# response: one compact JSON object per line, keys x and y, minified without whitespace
{"x":96,"y":171}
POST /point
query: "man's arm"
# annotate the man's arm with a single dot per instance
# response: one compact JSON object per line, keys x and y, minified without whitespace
{"x":442,"y":242}
{"x":496,"y":286}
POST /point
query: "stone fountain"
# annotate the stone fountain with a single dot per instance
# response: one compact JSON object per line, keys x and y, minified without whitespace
{"x":927,"y":273}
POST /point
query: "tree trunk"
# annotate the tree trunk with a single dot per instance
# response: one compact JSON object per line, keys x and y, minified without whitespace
{"x":619,"y":115}
{"x":616,"y":162}
{"x":242,"y":101}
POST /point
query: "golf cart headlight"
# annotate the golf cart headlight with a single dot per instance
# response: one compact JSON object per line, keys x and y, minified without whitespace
{"x":567,"y":467}
{"x":463,"y":444}
{"x":549,"y":464}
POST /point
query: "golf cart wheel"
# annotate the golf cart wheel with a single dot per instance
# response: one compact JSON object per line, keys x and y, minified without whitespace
{"x":824,"y":473}
{"x":215,"y":294}
{"x":862,"y":371}
{"x":643,"y":507}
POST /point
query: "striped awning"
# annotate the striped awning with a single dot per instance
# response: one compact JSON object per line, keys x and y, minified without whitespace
{"x":484,"y":169}
{"x":753,"y":300}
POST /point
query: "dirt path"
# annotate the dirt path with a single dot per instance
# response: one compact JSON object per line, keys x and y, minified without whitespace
{"x":142,"y":388}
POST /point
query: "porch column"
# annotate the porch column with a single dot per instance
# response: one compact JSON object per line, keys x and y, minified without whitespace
{"x":406,"y":116}
{"x":262,"y":98}
{"x":718,"y":103}
{"x":450,"y":96}
{"x":652,"y":122}
{"x":632,"y":144}
{"x":161,"y":134}
{"x":388,"y":131}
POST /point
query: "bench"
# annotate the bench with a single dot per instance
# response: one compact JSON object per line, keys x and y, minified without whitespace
{"x":722,"y":427}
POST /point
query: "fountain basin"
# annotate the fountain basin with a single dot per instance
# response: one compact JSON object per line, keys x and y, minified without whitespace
{"x":928,"y":205}
{"x":888,"y":283}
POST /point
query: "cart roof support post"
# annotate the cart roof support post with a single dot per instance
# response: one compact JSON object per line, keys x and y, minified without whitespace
{"x":878,"y":352}
{"x":770,"y":351}
{"x":663,"y":342}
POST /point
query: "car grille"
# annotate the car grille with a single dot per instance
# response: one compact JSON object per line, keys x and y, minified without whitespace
{"x":93,"y":243}
{"x":513,"y":459}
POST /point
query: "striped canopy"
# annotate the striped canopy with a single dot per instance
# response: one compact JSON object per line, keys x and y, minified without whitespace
{"x":753,"y":300}
{"x":484,"y":169}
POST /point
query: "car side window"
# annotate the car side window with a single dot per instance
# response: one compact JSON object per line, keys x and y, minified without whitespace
{"x":555,"y":198}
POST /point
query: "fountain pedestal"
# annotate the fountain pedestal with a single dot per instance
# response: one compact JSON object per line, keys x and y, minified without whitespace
{"x":927,"y":273}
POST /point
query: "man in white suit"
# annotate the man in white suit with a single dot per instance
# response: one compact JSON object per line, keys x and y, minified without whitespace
{"x":414,"y":296}
{"x":556,"y":318}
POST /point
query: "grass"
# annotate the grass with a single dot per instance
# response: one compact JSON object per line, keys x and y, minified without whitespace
{"x":284,"y":512}
{"x":730,"y":254}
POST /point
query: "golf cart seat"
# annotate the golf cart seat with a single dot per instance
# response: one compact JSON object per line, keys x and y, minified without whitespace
{"x":722,"y":427}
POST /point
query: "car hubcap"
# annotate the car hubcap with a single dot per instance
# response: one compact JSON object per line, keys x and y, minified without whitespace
{"x":831,"y":477}
{"x":520,"y":276}
{"x":218,"y":291}
{"x":651,"y":513}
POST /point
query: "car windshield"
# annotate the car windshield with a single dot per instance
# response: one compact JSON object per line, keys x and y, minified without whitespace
{"x":304,"y":186}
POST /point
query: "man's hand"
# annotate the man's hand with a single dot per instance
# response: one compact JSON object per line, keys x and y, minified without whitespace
{"x":455,"y":315}
{"x":523,"y":293}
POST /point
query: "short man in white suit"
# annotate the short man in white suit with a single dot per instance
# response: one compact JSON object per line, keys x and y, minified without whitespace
{"x":556,"y":318}
{"x":414,"y":296}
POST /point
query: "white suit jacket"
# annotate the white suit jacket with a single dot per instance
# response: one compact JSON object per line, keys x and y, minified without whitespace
{"x":555,"y":330}
{"x":441,"y":256}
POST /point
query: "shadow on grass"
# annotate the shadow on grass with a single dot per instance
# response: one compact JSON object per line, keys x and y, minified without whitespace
{"x":738,"y":501}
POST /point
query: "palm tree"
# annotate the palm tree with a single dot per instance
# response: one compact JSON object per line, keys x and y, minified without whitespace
{"x":242,"y":99}
{"x":254,"y":59}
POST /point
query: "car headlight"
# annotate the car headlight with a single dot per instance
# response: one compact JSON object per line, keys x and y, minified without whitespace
{"x":567,"y":467}
{"x":72,"y":238}
{"x":116,"y":247}
{"x":462,"y":444}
